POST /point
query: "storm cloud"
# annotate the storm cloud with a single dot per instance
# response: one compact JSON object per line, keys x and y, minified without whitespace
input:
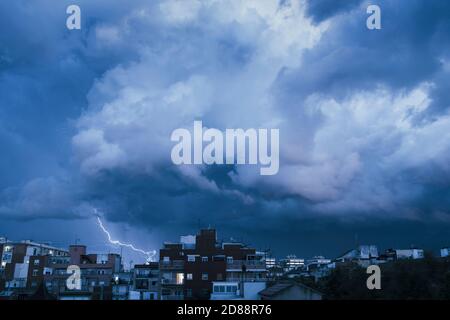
{"x":86,"y":117}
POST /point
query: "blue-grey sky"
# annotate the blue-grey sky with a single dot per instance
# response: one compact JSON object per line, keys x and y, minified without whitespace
{"x":86,"y":117}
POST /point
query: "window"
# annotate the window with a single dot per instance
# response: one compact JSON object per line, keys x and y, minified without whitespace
{"x":204,"y":276}
{"x":36,"y":262}
{"x":166,"y":259}
{"x":219,"y":289}
{"x":191,"y":258}
{"x":204,"y":259}
{"x":189,"y":293}
{"x":189,"y":276}
{"x":35,"y":272}
{"x":231,"y":289}
{"x":180,"y":278}
{"x":229,"y":259}
{"x":219,"y":257}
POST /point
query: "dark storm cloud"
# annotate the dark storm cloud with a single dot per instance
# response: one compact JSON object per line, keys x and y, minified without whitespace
{"x":408,"y":50}
{"x":86,"y":118}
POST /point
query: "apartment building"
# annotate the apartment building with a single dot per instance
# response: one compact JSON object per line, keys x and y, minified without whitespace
{"x":122,"y":285}
{"x":271,"y":262}
{"x":145,"y":282}
{"x":291,"y":262}
{"x":97,"y":274}
{"x":189,"y":268}
{"x":23,"y":265}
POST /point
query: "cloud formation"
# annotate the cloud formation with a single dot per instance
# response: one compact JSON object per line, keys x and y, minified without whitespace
{"x":363,"y":115}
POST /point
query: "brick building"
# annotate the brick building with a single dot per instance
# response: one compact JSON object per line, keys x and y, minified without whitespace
{"x":188,"y":268}
{"x":22,"y":265}
{"x":97,"y":274}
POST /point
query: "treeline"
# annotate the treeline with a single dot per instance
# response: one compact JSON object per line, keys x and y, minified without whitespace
{"x":427,"y":278}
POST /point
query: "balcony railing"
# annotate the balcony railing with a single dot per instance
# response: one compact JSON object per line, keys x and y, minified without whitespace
{"x":171,"y":265}
{"x":171,"y":282}
{"x":246,"y":278}
{"x":249,"y":264}
{"x":172,"y":297}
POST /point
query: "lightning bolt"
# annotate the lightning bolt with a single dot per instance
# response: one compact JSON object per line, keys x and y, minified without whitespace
{"x":149,"y":254}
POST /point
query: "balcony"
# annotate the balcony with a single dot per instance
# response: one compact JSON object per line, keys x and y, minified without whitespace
{"x":147,"y":276}
{"x":172,"y":297}
{"x":171,"y":265}
{"x":178,"y":282}
{"x":251,"y":265}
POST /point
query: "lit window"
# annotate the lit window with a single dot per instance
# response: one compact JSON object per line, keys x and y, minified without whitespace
{"x":229,"y":259}
{"x":180,"y":278}
{"x":166,"y":259}
{"x":204,"y":259}
{"x":204,"y":276}
{"x":191,"y":258}
{"x":36,"y":262}
{"x":189,"y":276}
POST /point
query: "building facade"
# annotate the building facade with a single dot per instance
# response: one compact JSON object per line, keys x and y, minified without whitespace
{"x":23,"y":265}
{"x":146,"y":282}
{"x":97,"y":274}
{"x":189,"y":268}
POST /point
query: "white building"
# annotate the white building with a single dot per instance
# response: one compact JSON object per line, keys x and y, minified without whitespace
{"x":292,"y":263}
{"x":364,"y":255}
{"x":188,"y":241}
{"x":271,"y":263}
{"x":409,"y":253}
{"x":231,"y":290}
{"x":317,"y":261}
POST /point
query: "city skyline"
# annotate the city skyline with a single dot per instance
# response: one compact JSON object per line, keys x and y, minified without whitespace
{"x":202,"y":267}
{"x":132,"y":256}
